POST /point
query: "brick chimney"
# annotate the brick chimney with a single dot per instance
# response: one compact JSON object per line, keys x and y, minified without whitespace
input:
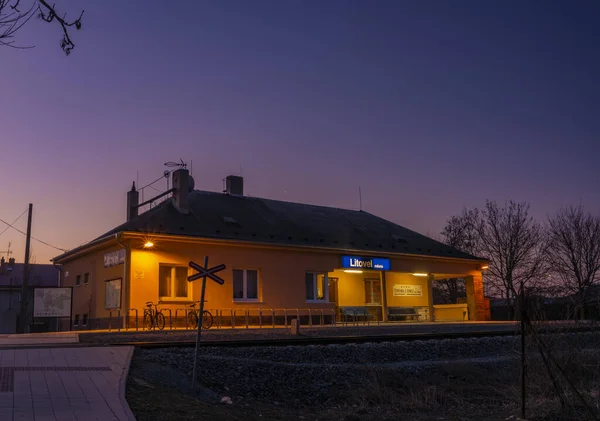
{"x":181,"y":184}
{"x":133,"y":200}
{"x":234,"y":185}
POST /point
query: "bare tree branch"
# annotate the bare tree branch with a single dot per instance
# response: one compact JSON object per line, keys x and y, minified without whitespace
{"x":12,"y":19}
{"x":515,"y":246}
{"x":574,"y":250}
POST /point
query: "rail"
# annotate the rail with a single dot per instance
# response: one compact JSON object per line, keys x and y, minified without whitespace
{"x":251,"y":317}
{"x":110,"y":316}
{"x":129,"y":318}
{"x":185,"y":315}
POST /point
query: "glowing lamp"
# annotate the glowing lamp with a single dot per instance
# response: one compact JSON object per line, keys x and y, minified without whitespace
{"x":353,"y":271}
{"x":148,"y":244}
{"x":419,"y":274}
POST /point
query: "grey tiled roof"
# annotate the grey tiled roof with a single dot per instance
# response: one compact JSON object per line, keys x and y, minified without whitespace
{"x":251,"y":219}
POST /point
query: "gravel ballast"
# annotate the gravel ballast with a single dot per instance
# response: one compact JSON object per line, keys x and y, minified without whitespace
{"x":305,"y":375}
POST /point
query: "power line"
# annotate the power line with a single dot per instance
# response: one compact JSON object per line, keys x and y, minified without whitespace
{"x":14,"y":222}
{"x":32,"y":237}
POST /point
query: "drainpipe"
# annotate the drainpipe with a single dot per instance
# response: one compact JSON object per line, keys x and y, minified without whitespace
{"x":125,"y":285}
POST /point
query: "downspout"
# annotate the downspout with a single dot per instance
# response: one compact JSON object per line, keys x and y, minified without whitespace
{"x":125,"y":286}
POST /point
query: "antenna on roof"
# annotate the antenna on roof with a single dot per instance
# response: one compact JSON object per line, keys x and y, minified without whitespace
{"x":360,"y":197}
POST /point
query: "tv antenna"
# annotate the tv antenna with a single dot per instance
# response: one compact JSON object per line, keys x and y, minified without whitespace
{"x":360,"y":197}
{"x":8,"y":251}
{"x":179,"y":164}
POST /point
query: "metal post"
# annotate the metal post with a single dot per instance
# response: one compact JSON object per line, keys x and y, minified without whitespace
{"x":24,"y":310}
{"x":273,"y":317}
{"x":285,"y":317}
{"x":118,"y":320}
{"x":199,"y":331}
{"x":260,"y":318}
{"x":232,"y":312}
{"x":523,"y":362}
{"x":247,"y":317}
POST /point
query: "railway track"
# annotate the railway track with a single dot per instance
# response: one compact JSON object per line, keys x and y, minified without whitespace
{"x":310,"y":340}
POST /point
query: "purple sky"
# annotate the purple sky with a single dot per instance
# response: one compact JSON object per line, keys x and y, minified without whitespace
{"x":429,"y":106}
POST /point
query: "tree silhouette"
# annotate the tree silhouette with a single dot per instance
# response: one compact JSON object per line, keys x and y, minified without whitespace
{"x":14,"y":15}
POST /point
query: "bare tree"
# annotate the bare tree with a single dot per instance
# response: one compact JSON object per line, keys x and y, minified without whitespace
{"x":574,"y":251}
{"x":515,"y":246}
{"x":14,"y":15}
{"x":461,"y":233}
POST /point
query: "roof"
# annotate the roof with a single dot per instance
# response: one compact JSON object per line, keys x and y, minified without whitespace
{"x":40,"y":275}
{"x":251,"y":219}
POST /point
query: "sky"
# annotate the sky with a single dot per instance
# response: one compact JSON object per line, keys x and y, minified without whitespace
{"x":428,"y":106}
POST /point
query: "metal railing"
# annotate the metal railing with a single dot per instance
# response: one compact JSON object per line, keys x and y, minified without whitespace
{"x":238,"y":318}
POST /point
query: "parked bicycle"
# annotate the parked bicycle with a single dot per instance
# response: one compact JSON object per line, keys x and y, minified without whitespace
{"x":153,"y":317}
{"x":193,"y":315}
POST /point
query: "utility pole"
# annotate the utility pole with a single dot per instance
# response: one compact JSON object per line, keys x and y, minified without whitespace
{"x":23,"y":315}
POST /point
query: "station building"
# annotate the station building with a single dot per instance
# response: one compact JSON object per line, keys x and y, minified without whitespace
{"x":278,"y":255}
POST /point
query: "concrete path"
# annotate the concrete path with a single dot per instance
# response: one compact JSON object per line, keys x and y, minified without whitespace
{"x":64,"y":384}
{"x":38,"y":338}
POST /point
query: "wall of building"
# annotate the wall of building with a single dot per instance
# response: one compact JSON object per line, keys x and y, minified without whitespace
{"x":351,"y":287}
{"x":406,"y":279}
{"x":281,"y":274}
{"x":281,"y":277}
{"x":90,"y":298}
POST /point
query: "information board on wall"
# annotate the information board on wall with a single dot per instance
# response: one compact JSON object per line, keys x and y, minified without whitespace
{"x":52,"y":302}
{"x":401,"y":290}
{"x":112,"y":300}
{"x":114,"y":258}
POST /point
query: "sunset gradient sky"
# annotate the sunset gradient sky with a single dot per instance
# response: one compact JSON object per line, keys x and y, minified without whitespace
{"x":429,"y":106}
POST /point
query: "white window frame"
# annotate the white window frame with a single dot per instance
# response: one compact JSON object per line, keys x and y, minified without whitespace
{"x":172,"y":297}
{"x":245,"y":280}
{"x":316,"y":275}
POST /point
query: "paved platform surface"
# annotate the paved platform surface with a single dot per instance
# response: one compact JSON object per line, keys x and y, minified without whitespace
{"x":39,"y":338}
{"x":64,"y":384}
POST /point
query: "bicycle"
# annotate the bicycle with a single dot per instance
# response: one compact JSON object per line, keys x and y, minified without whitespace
{"x":207,"y":317}
{"x":153,"y":317}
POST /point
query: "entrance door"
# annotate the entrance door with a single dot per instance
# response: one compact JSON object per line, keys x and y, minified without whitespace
{"x":373,"y":292}
{"x":333,"y":290}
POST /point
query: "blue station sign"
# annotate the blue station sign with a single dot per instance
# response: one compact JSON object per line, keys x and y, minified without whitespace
{"x":357,"y":262}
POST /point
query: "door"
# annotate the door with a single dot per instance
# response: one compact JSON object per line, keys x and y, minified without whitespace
{"x":333,"y":290}
{"x":373,"y":292}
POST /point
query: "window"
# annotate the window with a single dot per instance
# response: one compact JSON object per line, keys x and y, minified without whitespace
{"x":316,"y":286}
{"x":173,"y":283}
{"x":245,"y":284}
{"x":76,"y":320}
{"x":86,"y":278}
{"x":78,"y":280}
{"x":84,"y":320}
{"x":372,"y":291}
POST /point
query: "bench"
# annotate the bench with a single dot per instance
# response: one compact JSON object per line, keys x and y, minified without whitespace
{"x":355,"y":313}
{"x":405,"y":313}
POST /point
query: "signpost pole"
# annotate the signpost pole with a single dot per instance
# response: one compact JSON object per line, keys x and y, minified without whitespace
{"x":199,"y":323}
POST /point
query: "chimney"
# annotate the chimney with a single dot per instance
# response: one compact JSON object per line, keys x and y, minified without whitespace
{"x":234,"y":185}
{"x":181,"y":184}
{"x":133,"y":200}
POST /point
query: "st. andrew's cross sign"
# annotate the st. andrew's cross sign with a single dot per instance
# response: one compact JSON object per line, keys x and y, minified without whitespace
{"x":203,"y":272}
